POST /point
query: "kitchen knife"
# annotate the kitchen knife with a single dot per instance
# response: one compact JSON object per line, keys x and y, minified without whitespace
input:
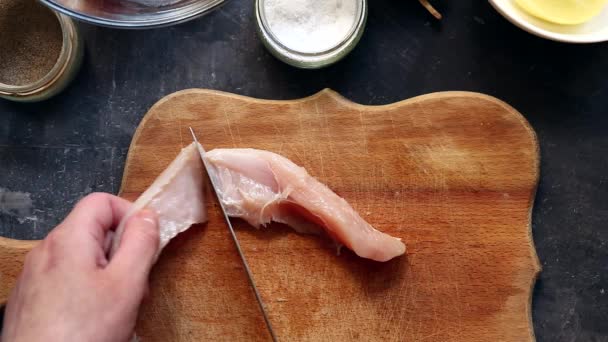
{"x":201,"y":151}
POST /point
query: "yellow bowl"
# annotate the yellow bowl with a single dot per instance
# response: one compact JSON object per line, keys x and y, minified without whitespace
{"x":567,"y":12}
{"x":591,"y":31}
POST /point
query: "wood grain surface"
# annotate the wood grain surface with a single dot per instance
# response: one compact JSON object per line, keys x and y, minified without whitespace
{"x":454,"y":174}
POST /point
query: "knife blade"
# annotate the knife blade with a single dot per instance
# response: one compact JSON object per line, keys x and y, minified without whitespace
{"x":201,"y":151}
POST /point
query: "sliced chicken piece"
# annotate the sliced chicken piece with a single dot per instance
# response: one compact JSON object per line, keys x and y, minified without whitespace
{"x":177,"y":196}
{"x":261,"y":186}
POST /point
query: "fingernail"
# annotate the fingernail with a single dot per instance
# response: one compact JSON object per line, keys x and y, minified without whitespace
{"x":148,"y":216}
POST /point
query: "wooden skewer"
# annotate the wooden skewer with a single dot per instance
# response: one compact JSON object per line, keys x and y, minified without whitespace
{"x":430,"y":8}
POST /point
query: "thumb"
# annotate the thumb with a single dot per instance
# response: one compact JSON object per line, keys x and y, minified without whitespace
{"x":138,"y":247}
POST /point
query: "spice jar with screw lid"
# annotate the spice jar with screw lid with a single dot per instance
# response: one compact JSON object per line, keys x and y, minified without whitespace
{"x":42,"y":51}
{"x":310,"y":33}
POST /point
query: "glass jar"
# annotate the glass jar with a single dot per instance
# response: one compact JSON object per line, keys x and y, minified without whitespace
{"x":308,"y":60}
{"x":60,"y":75}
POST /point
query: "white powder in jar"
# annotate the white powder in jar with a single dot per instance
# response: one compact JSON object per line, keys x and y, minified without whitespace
{"x":310,"y":26}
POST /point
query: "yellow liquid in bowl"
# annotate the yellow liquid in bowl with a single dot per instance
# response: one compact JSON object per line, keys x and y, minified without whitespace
{"x":567,"y":12}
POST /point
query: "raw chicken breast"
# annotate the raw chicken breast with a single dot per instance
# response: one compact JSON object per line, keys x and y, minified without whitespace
{"x":177,"y":196}
{"x":261,"y":186}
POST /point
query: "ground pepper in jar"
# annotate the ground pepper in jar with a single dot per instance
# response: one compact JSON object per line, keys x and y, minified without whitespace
{"x":30,"y":41}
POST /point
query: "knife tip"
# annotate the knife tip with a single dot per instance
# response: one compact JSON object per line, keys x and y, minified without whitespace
{"x":193,"y":135}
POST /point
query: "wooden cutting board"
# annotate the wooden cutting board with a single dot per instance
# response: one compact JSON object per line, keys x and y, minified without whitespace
{"x":454,"y":174}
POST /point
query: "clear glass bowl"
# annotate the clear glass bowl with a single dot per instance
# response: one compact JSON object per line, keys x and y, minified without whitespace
{"x":310,"y":60}
{"x":133,"y":13}
{"x":67,"y":65}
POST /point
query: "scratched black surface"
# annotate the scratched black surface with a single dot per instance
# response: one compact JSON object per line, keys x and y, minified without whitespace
{"x":57,"y":151}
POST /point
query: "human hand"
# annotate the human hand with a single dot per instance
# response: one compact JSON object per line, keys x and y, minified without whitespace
{"x":69,"y":290}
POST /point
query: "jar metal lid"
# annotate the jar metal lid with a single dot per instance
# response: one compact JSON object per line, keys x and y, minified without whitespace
{"x":310,"y":60}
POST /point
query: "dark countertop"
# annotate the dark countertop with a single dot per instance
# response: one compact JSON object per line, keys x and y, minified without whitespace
{"x":55,"y":152}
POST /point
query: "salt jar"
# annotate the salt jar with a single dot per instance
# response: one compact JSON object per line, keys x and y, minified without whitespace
{"x":310,"y":33}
